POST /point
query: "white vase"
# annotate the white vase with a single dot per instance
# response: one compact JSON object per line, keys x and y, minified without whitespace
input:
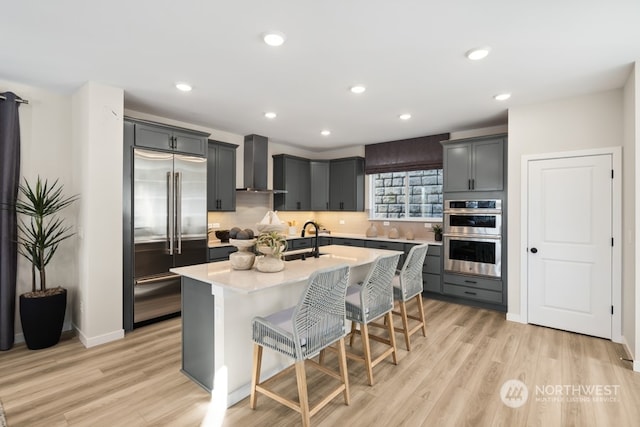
{"x":242,"y":260}
{"x":270,"y":264}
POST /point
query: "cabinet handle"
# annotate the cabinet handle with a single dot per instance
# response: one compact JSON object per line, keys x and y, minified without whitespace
{"x":469,"y":185}
{"x":470,"y":281}
{"x":298,"y":205}
{"x":473,"y":184}
{"x":470,"y":293}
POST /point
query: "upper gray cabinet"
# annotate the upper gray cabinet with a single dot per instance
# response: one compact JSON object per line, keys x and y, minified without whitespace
{"x":292,"y":174}
{"x":319,"y":185}
{"x":221,"y":176}
{"x":474,"y":164}
{"x":161,"y":137}
{"x":346,"y":184}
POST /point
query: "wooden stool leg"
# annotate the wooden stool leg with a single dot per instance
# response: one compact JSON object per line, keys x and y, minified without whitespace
{"x":301,"y":378}
{"x":364,"y":331}
{"x":342,"y":355}
{"x":321,"y":356}
{"x":353,"y":333}
{"x":421,"y":315}
{"x":388,"y":319}
{"x":255,"y":375}
{"x":405,"y":324}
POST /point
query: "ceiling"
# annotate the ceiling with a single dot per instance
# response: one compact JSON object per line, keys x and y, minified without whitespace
{"x":410,"y":55}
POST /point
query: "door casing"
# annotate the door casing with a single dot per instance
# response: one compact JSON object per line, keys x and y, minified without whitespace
{"x":616,"y":217}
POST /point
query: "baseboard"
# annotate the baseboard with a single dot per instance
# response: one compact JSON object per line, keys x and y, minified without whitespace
{"x":89,"y":342}
{"x":629,"y":353}
{"x":511,"y":317}
{"x":19,"y":337}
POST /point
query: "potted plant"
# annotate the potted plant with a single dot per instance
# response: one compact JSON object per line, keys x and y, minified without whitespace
{"x":271,"y":244}
{"x":437,"y":232}
{"x":40,"y":233}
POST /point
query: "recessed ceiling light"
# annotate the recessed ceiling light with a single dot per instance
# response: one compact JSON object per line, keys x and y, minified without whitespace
{"x":405,"y":116}
{"x":357,"y":89}
{"x":502,"y":97}
{"x":326,"y":132}
{"x":273,"y":38}
{"x":270,"y":115}
{"x":184,"y":87}
{"x":478,"y":53}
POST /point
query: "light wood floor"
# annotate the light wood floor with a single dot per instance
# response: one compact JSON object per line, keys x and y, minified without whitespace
{"x":451,"y":377}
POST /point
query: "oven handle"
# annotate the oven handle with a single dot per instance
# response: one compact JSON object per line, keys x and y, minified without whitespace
{"x":473,"y":211}
{"x":473,"y":236}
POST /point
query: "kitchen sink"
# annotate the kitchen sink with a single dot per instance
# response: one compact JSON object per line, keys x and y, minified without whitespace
{"x":300,"y":255}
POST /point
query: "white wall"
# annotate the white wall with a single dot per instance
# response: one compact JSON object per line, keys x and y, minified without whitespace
{"x":631,"y":252}
{"x":584,"y":122}
{"x":97,"y":157}
{"x":45,"y":133}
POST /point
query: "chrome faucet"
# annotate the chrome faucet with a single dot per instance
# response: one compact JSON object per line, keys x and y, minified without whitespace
{"x":316,"y":250}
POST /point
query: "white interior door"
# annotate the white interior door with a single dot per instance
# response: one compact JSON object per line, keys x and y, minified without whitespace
{"x":570,"y":244}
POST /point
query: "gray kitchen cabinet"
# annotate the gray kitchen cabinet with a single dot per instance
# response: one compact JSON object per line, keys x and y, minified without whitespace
{"x":346,"y":184}
{"x":299,"y":243}
{"x":345,"y":241}
{"x":432,"y":270}
{"x":221,"y":176}
{"x":392,"y":246}
{"x":487,"y":290}
{"x":319,"y":185}
{"x":292,"y":174}
{"x":162,"y":137}
{"x":221,"y":253}
{"x":474,"y":165}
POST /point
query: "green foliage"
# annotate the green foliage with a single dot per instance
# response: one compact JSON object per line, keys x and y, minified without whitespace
{"x":274,"y":240}
{"x":41,"y":232}
{"x":437,"y":228}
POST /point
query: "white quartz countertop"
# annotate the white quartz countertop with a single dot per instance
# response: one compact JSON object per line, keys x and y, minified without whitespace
{"x":417,"y":241}
{"x":248,"y":281}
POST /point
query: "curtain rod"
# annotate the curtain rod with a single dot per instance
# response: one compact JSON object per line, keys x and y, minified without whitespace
{"x":22,"y":101}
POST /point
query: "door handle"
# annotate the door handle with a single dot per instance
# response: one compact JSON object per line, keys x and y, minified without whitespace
{"x":170,"y":214}
{"x":178,"y":193}
{"x":534,"y":250}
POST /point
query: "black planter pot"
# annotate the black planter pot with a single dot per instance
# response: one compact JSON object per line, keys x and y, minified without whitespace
{"x":438,"y":237}
{"x":42,"y":319}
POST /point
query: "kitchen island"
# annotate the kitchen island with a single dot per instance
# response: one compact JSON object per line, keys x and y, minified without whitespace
{"x":219,"y":302}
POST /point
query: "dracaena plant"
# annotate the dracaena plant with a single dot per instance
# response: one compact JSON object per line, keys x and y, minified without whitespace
{"x":40,"y":230}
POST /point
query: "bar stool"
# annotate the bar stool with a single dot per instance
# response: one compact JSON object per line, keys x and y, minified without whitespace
{"x":300,"y":332}
{"x":371,"y":300}
{"x":407,"y":284}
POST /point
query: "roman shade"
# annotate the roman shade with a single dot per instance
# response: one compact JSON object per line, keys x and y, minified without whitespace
{"x":420,"y":153}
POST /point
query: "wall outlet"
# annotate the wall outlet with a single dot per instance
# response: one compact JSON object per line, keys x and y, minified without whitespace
{"x":342,"y":222}
{"x":385,"y":223}
{"x":427,"y":225}
{"x":215,"y":225}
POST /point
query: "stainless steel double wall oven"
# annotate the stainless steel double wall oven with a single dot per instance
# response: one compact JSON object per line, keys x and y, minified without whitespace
{"x":473,"y":237}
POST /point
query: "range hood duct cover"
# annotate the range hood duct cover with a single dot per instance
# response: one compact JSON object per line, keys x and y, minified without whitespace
{"x":255,"y":165}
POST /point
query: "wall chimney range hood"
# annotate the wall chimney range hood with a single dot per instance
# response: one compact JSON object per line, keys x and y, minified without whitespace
{"x":256,"y":166}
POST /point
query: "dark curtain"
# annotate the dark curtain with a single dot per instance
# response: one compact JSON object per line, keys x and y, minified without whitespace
{"x":9,"y":180}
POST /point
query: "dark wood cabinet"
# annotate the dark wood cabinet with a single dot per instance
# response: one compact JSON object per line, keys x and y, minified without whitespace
{"x":474,"y":165}
{"x":167,"y":138}
{"x":346,"y":184}
{"x":319,"y":185}
{"x":221,"y":176}
{"x":292,"y":174}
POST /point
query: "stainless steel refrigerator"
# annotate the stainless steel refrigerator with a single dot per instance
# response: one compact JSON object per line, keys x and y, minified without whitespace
{"x":169,"y":227}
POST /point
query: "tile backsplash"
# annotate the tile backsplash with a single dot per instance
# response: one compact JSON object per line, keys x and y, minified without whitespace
{"x":251,"y":208}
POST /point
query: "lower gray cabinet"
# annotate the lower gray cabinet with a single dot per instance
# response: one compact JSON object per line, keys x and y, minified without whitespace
{"x":221,"y":253}
{"x":344,"y":241}
{"x":475,"y":288}
{"x":432,"y":270}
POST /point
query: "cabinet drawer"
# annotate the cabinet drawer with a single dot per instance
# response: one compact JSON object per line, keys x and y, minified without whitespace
{"x":221,"y":253}
{"x":299,"y":243}
{"x":434,"y":250}
{"x":432,"y":265}
{"x":378,"y":244}
{"x":324,"y":241}
{"x":474,"y":282}
{"x":472,"y":293}
{"x":431,"y":282}
{"x":348,"y":242}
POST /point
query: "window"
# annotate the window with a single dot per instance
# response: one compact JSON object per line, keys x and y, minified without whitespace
{"x":408,"y":195}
